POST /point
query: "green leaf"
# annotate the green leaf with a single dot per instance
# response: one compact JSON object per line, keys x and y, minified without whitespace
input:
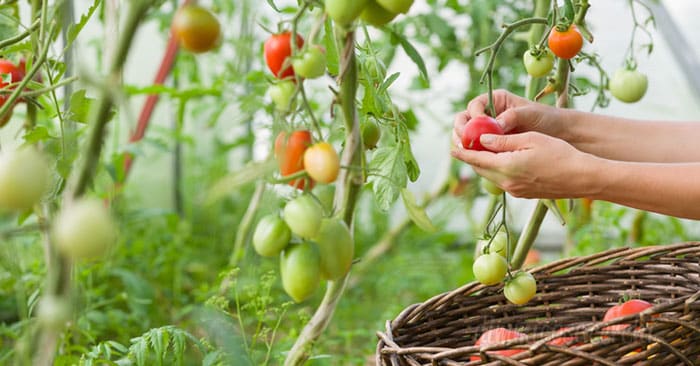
{"x":80,"y":104}
{"x":416,"y":213}
{"x":388,"y":175}
{"x":75,"y":29}
{"x":411,"y":164}
{"x":234,"y":181}
{"x":36,"y":134}
{"x":412,"y":54}
{"x":331,"y":49}
{"x":9,"y":21}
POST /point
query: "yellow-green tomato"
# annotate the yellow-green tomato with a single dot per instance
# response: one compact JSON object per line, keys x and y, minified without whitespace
{"x":499,"y":244}
{"x":281,"y":94}
{"x":325,"y":193}
{"x":344,"y":12}
{"x":54,"y":312}
{"x":321,"y":162}
{"x":376,"y":15}
{"x":24,"y":179}
{"x":628,"y":86}
{"x":538,"y":63}
{"x":303,"y":216}
{"x":521,"y":288}
{"x":311,"y":64}
{"x":490,"y":269}
{"x":271,"y":236}
{"x":491,"y":187}
{"x":336,"y":247}
{"x":396,"y":6}
{"x":300,"y":268}
{"x":84,"y":229}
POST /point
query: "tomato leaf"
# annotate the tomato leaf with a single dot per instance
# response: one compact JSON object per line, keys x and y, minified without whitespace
{"x":79,"y":107}
{"x":416,"y":212}
{"x":232,"y":182}
{"x":388,"y":175}
{"x":75,"y":29}
{"x":552,"y":206}
{"x":412,"y":54}
{"x":331,"y":49}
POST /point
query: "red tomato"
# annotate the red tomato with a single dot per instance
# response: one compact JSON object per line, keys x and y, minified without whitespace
{"x":627,"y":308}
{"x":498,"y":335}
{"x":566,"y":44}
{"x":289,"y":152}
{"x":476,"y":127}
{"x":562,"y":341}
{"x":16,"y":72}
{"x":278,"y":49}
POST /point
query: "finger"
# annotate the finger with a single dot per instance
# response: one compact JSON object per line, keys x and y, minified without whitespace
{"x":518,"y":119}
{"x":459,"y":122}
{"x":477,"y":159}
{"x":513,"y":142}
{"x":456,"y":140}
{"x":477,"y":106}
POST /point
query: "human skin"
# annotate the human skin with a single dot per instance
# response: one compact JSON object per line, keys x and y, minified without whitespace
{"x":561,"y":153}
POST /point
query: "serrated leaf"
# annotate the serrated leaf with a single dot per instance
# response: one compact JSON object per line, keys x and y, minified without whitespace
{"x":80,"y":105}
{"x":412,"y":54}
{"x":234,"y":181}
{"x":416,"y":213}
{"x":75,"y":29}
{"x":36,"y":134}
{"x":9,"y":21}
{"x":388,"y":175}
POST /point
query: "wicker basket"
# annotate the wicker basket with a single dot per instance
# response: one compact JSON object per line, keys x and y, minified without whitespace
{"x":574,"y":293}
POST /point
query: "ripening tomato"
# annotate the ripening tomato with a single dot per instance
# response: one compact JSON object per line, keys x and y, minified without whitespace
{"x":495,"y":336}
{"x":344,"y":12}
{"x":24,"y":179}
{"x":311,"y":63}
{"x":336,"y":248}
{"x":490,"y":269}
{"x":491,"y":187}
{"x":303,"y":216}
{"x":376,"y":15}
{"x":271,"y":236}
{"x":538,"y":63}
{"x":84,"y":229}
{"x":521,"y":288}
{"x":277,"y":50}
{"x":476,"y":127}
{"x":322,"y":162}
{"x":300,"y":269}
{"x":567,"y":43}
{"x":282,"y":93}
{"x":196,"y":28}
{"x":289,"y":152}
{"x":396,"y":6}
{"x":370,"y":134}
{"x":628,"y":86}
{"x":627,"y":308}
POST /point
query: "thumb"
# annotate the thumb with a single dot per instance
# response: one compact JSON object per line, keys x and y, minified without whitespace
{"x":503,"y":143}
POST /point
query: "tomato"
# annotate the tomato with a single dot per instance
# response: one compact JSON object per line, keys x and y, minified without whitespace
{"x":196,"y":28}
{"x":491,"y":187}
{"x":303,"y":216}
{"x":495,"y":336}
{"x":370,"y":134}
{"x":628,"y":86}
{"x":476,"y":127}
{"x":54,"y":312}
{"x":277,"y":50}
{"x":376,"y":15}
{"x":532,"y":259}
{"x":565,"y":44}
{"x":325,"y":193}
{"x":16,"y":72}
{"x":627,"y":308}
{"x":300,"y":269}
{"x":490,"y":269}
{"x":344,"y":12}
{"x":271,"y":236}
{"x":538,"y":63}
{"x":521,"y":288}
{"x":322,"y":162}
{"x":24,"y":179}
{"x":311,"y":63}
{"x":336,"y":248}
{"x":282,"y":93}
{"x":396,"y":6}
{"x":289,"y":152}
{"x":562,"y":341}
{"x":84,"y":229}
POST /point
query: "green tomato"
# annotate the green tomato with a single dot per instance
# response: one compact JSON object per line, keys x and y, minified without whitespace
{"x":325,"y":194}
{"x":303,"y":216}
{"x":344,"y":12}
{"x":54,"y":312}
{"x":370,"y":134}
{"x":271,"y":236}
{"x":396,"y":6}
{"x":628,"y":86}
{"x":84,"y":229}
{"x":491,"y":187}
{"x":499,"y":244}
{"x":24,"y":179}
{"x":336,"y":247}
{"x":311,"y":64}
{"x":376,"y":15}
{"x":300,"y":269}
{"x":521,"y":288}
{"x":282,"y":93}
{"x":538,"y":64}
{"x":490,"y":269}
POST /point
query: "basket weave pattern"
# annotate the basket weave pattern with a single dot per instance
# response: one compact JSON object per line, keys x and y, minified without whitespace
{"x":574,"y":293}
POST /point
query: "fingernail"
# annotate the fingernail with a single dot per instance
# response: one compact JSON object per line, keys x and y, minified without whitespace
{"x":487,"y":139}
{"x":501,"y":123}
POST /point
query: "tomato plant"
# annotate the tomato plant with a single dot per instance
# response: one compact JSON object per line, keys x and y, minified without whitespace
{"x":84,"y":229}
{"x":278,"y":50}
{"x":196,"y":28}
{"x":24,"y":179}
{"x":271,"y":236}
{"x":629,"y":307}
{"x":370,"y":134}
{"x":300,"y":269}
{"x":521,"y":288}
{"x":396,"y":6}
{"x":565,"y":43}
{"x":289,"y":152}
{"x":282,"y":94}
{"x":495,"y":336}
{"x":490,"y":269}
{"x":322,"y":162}
{"x":377,"y":15}
{"x":311,"y":63}
{"x":628,"y":86}
{"x":538,"y":62}
{"x":336,"y":248}
{"x":344,"y":12}
{"x":303,"y":216}
{"x":476,"y":127}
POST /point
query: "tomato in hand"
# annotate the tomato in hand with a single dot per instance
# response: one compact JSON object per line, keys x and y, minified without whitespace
{"x":376,"y":15}
{"x":196,"y":28}
{"x":311,"y":63}
{"x":370,"y":134}
{"x":396,"y":6}
{"x":538,"y":63}
{"x":565,"y":43}
{"x":322,"y":162}
{"x":271,"y":236}
{"x":24,"y":179}
{"x":476,"y":127}
{"x":277,"y":50}
{"x":84,"y":229}
{"x":344,"y":12}
{"x":303,"y":216}
{"x":521,"y":288}
{"x":300,"y":269}
{"x":628,"y":86}
{"x":627,"y":308}
{"x":282,"y":93}
{"x":289,"y":152}
{"x":495,"y":336}
{"x":336,"y":248}
{"x":490,"y":269}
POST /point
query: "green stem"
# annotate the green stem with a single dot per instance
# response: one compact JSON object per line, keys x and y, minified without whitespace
{"x":537,"y":32}
{"x":246,"y":225}
{"x":527,"y":237}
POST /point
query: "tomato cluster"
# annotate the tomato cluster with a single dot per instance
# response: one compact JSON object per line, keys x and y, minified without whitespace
{"x":296,"y":152}
{"x":375,"y":12}
{"x":10,"y":73}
